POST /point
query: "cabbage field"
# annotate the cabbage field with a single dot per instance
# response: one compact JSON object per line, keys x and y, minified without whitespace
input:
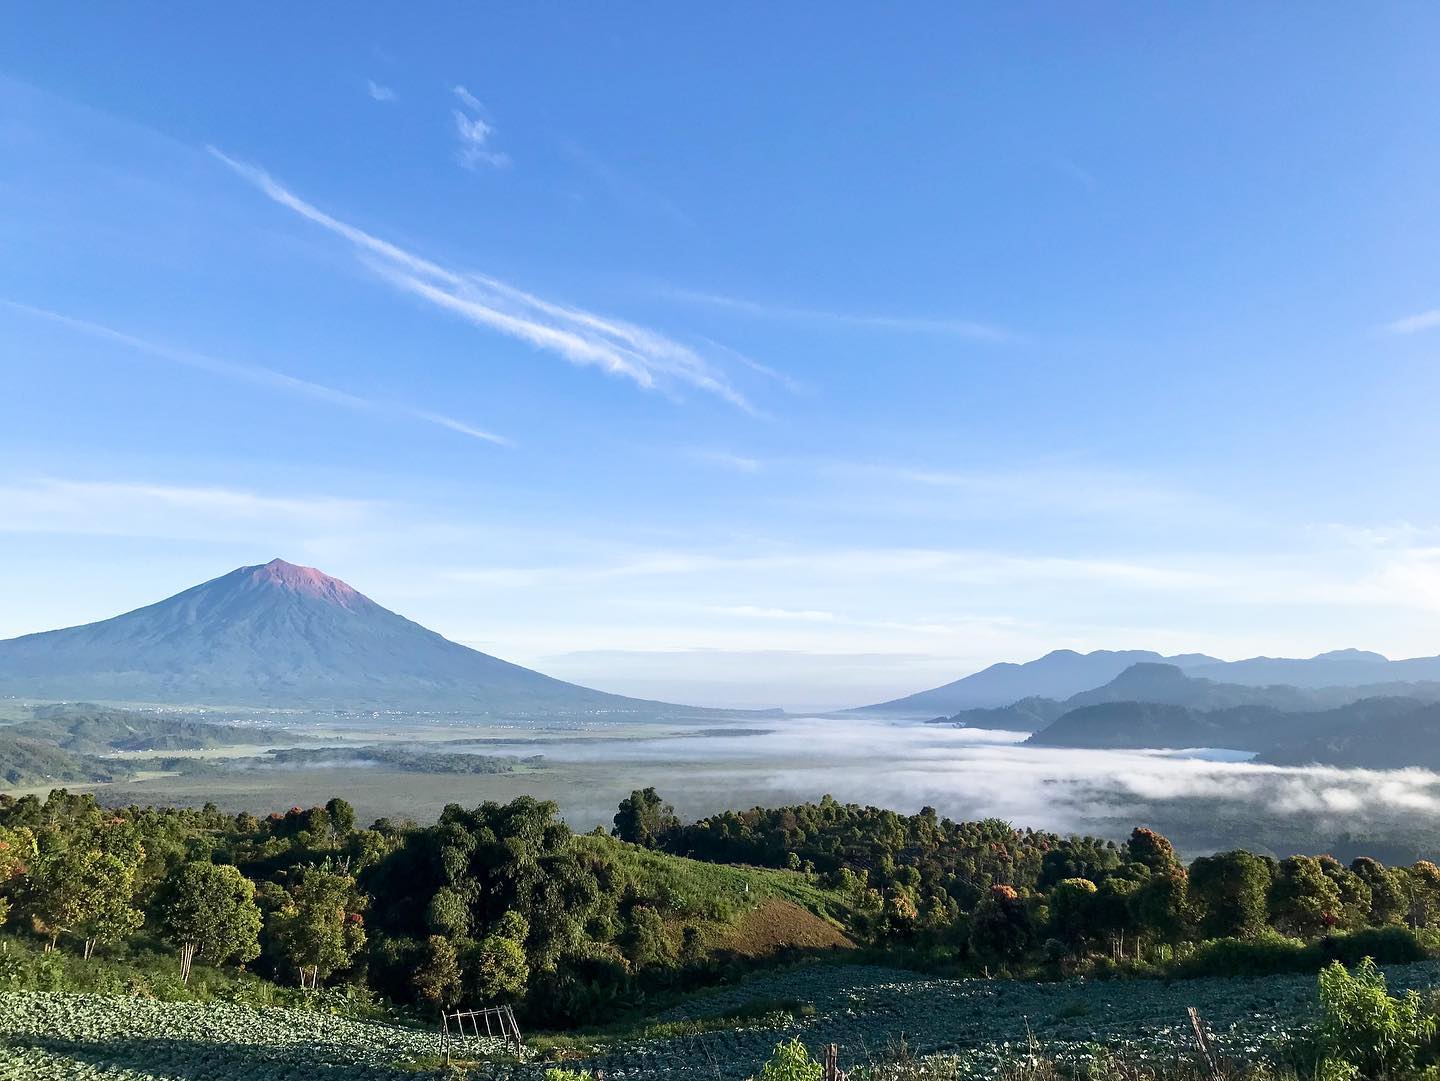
{"x":867,"y":1011}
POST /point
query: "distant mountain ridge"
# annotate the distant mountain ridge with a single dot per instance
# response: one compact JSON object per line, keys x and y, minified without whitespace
{"x":1063,"y":673}
{"x":1058,"y":675}
{"x":280,"y":635}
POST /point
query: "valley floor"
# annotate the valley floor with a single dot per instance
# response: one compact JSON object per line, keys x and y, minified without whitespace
{"x":977,"y":1025}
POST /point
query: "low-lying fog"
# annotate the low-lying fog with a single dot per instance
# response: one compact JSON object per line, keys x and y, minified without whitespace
{"x":1204,"y":799}
{"x":1209,"y":797}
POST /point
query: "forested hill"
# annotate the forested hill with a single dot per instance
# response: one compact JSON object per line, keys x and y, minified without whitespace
{"x":282,"y":635}
{"x":1373,"y":733}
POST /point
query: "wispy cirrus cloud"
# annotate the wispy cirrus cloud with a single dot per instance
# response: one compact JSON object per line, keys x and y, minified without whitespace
{"x":254,"y":373}
{"x":474,"y":132}
{"x":738,"y":462}
{"x":1414,"y":324}
{"x":127,"y":508}
{"x":379,"y":92}
{"x":649,"y":359}
{"x":958,"y":328}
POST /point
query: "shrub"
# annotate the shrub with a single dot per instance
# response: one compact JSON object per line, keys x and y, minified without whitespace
{"x":1263,"y":955}
{"x":1383,"y":945}
{"x":790,"y":1061}
{"x":1363,"y":1027}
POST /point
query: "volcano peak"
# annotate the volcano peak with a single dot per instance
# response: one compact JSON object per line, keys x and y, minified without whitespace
{"x":306,"y":581}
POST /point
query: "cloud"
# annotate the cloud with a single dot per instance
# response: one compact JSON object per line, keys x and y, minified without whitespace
{"x":474,"y":133}
{"x":1414,"y":324}
{"x":933,"y":566}
{"x":583,"y":338}
{"x":738,"y":462}
{"x":751,"y":611}
{"x":624,"y":191}
{"x":253,"y":373}
{"x":957,"y":328}
{"x":50,"y":505}
{"x":378,"y":92}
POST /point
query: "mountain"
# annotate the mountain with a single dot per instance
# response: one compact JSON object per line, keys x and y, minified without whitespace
{"x":1338,"y":668}
{"x":1149,"y":682}
{"x":1058,"y":675}
{"x":1159,"y":724}
{"x":1405,"y":734}
{"x":1382,"y":732}
{"x":1027,"y":715}
{"x":279,"y":635}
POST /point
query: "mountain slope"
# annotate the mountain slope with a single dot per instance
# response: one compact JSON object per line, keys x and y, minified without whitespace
{"x":1027,"y":715}
{"x":282,"y":635}
{"x":1059,"y":674}
{"x":1403,"y":734}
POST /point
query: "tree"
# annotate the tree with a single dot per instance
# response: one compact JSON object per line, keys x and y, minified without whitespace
{"x":1072,"y":911}
{"x":85,"y":891}
{"x":1152,"y":851}
{"x":644,"y":819}
{"x":1229,"y":891}
{"x":1161,"y":906}
{"x":1000,"y":929}
{"x":341,"y":816}
{"x":437,"y":980}
{"x":209,"y":910}
{"x":1112,"y":912}
{"x":17,"y":853}
{"x":1304,"y":900}
{"x":448,"y":914}
{"x":497,"y":967}
{"x":646,"y":941}
{"x":1355,"y":899}
{"x":1387,"y":891}
{"x":1422,"y":889}
{"x":319,"y":928}
{"x":1078,"y":857}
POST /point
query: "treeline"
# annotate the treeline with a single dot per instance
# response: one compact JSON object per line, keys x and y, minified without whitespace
{"x":495,"y":904}
{"x":989,"y":894}
{"x":503,"y":903}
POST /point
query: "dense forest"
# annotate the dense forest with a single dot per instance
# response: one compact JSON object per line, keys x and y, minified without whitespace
{"x":504,"y":903}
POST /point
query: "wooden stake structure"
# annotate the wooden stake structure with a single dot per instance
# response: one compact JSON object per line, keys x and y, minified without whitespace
{"x":499,"y":1024}
{"x":832,"y":1064}
{"x":1202,"y":1041}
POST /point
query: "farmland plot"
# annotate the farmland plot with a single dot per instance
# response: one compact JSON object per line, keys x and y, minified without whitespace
{"x":48,"y":1036}
{"x":867,"y":1011}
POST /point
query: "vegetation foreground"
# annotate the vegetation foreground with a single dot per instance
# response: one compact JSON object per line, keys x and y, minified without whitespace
{"x":178,"y":944}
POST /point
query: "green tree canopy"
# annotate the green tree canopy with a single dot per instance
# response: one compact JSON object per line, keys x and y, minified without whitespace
{"x":212,"y":908}
{"x":645,"y":819}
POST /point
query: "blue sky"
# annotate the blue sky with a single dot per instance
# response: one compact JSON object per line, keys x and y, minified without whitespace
{"x":744,"y":354}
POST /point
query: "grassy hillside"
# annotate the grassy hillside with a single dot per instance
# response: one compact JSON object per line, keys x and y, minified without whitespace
{"x":749,"y":912}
